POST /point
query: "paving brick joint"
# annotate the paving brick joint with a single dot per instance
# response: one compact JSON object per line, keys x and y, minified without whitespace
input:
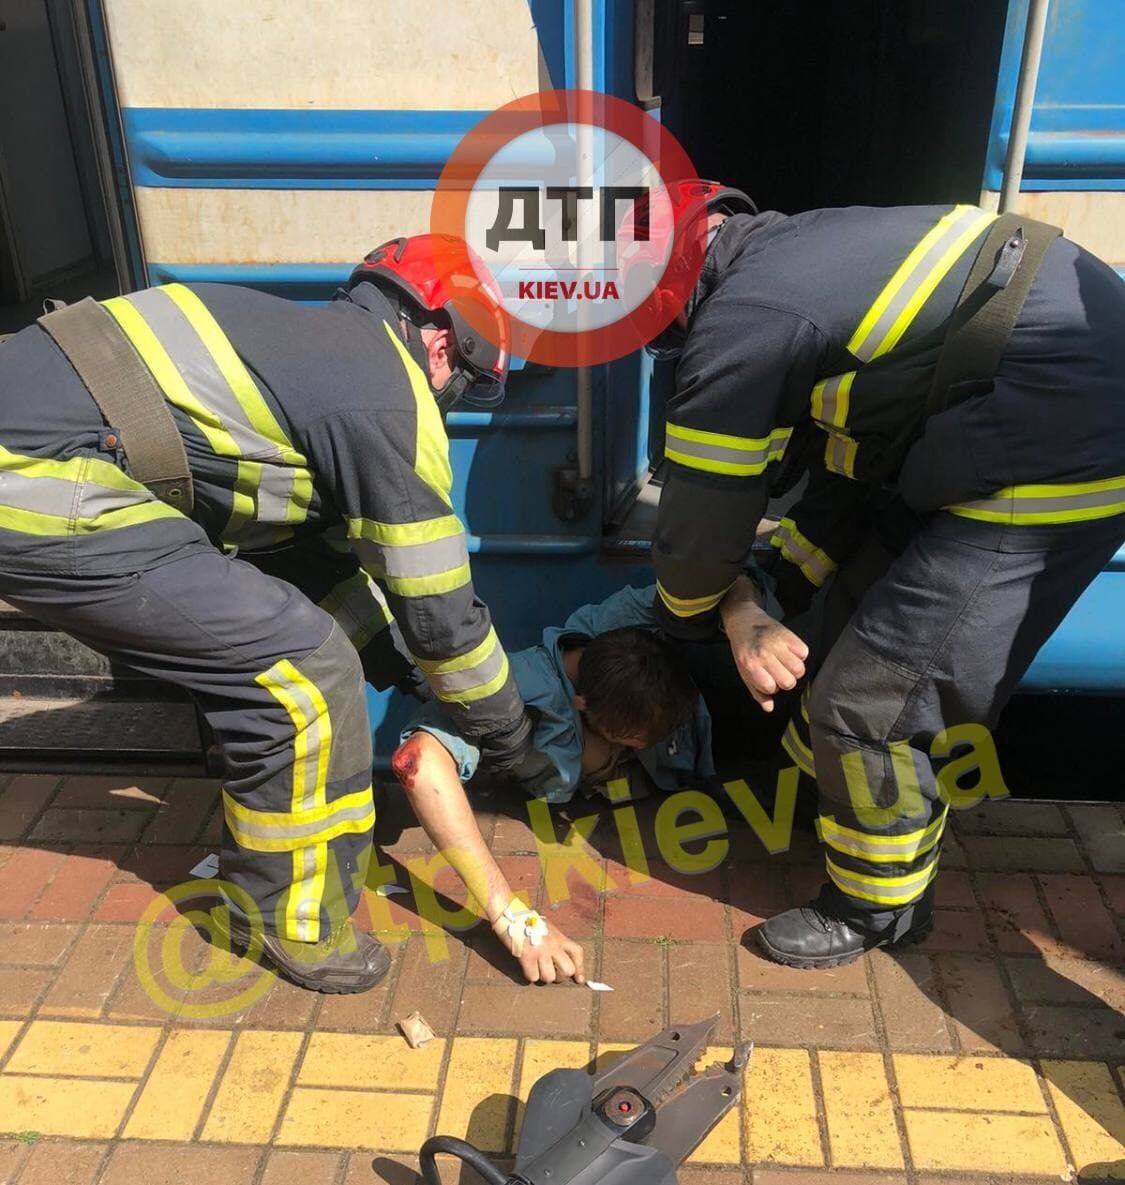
{"x":996,"y":1051}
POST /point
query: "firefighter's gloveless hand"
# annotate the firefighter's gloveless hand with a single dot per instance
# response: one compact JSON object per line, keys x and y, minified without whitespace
{"x":769,"y":657}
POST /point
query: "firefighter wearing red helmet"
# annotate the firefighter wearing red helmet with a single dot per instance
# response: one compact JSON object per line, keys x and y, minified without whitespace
{"x":250,"y":498}
{"x":936,"y":391}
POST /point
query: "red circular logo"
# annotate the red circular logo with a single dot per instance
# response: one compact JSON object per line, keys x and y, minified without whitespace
{"x":565,"y":206}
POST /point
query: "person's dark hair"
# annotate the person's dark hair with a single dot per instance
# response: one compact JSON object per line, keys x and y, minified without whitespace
{"x":634,"y":685}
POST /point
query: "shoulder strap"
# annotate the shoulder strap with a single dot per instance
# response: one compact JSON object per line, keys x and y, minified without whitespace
{"x":990,"y":304}
{"x":128,"y":397}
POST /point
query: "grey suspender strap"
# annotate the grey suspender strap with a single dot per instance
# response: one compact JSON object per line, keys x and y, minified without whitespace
{"x":990,"y":304}
{"x":128,"y":397}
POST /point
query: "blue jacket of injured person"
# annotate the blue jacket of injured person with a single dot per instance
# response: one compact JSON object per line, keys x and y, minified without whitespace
{"x":681,"y":761}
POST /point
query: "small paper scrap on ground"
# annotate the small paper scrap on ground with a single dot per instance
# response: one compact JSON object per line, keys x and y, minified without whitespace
{"x":594,"y":986}
{"x":415,"y":1030}
{"x":207,"y":868}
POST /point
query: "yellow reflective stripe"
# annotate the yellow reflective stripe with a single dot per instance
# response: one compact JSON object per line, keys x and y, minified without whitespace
{"x":431,"y":453}
{"x":718,"y":452}
{"x":171,"y":382}
{"x":358,"y":605}
{"x":840,"y":454}
{"x":801,"y":754}
{"x":430,"y":530}
{"x":32,"y":522}
{"x":300,"y":499}
{"x":429,"y":586}
{"x":471,"y":658}
{"x":881,"y":849}
{"x":283,"y":831}
{"x":891,"y":890}
{"x":1048,"y":503}
{"x":690,"y":606}
{"x":306,"y":892}
{"x":312,"y":748}
{"x":831,"y":399}
{"x":76,"y":469}
{"x":915,"y":280}
{"x":469,"y":695}
{"x":233,"y":370}
{"x":814,"y":564}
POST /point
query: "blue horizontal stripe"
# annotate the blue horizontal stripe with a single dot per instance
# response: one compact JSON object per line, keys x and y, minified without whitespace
{"x":1066,"y":160}
{"x":183,"y":147}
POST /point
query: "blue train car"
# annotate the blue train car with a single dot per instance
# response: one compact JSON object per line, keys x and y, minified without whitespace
{"x":273,"y":145}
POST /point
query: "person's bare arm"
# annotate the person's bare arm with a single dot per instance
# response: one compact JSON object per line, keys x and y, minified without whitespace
{"x":429,"y":776}
{"x":770,"y":658}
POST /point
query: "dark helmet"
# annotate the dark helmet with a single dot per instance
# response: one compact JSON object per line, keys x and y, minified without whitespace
{"x":420,"y":269}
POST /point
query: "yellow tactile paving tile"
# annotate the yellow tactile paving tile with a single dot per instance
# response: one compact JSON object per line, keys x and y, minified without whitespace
{"x":781,"y":1110}
{"x":1091,"y":1115}
{"x":1022,"y":1145}
{"x":379,"y":1121}
{"x":63,"y":1106}
{"x":176,"y":1090}
{"x":253,"y":1087}
{"x":476,"y":1103}
{"x":8,"y":1031}
{"x":370,"y":1063}
{"x":74,"y":1050}
{"x":857,"y":1103}
{"x":968,"y":1083}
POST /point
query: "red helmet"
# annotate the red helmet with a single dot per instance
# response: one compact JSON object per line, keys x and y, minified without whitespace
{"x":691,"y":202}
{"x":419,"y":268}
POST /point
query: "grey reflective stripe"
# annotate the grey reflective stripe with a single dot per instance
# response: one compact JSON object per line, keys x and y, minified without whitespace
{"x":919,"y":275}
{"x":906,"y":848}
{"x":96,"y":500}
{"x":837,"y":456}
{"x":726,"y":454}
{"x":305,"y":772}
{"x":796,"y":552}
{"x":830,"y":399}
{"x":45,"y":495}
{"x":457,"y":681}
{"x":1019,"y":504}
{"x":358,"y":604}
{"x":201,"y":374}
{"x":896,"y":890}
{"x":416,"y":559}
{"x":66,"y":499}
{"x":298,"y":831}
{"x":275,"y":492}
{"x":308,"y":904}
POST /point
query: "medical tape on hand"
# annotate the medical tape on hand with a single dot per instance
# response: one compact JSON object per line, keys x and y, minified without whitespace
{"x":520,"y":926}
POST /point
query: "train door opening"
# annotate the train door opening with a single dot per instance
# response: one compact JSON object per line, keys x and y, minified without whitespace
{"x":55,"y":238}
{"x":872,"y":102}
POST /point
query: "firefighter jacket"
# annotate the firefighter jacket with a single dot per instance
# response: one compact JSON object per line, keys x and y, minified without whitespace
{"x":297,"y":422}
{"x":812,"y":350}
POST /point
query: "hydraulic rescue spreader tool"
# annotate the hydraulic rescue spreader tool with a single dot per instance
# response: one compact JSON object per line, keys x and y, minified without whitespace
{"x":633,"y":1124}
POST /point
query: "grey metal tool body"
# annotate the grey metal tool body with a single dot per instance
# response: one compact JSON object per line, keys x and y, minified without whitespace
{"x":632,"y":1124}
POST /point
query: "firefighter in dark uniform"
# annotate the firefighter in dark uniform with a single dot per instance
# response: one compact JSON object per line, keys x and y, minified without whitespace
{"x":810,"y":347}
{"x":313,"y":443}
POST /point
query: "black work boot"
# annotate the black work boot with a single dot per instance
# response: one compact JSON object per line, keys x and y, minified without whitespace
{"x":816,"y":935}
{"x":346,"y":960}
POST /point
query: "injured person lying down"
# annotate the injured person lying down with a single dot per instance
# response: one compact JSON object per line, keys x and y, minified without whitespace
{"x":611,"y":700}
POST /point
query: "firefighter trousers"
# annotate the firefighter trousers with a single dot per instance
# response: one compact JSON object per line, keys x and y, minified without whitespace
{"x":281,"y":687}
{"x":899,"y":715}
